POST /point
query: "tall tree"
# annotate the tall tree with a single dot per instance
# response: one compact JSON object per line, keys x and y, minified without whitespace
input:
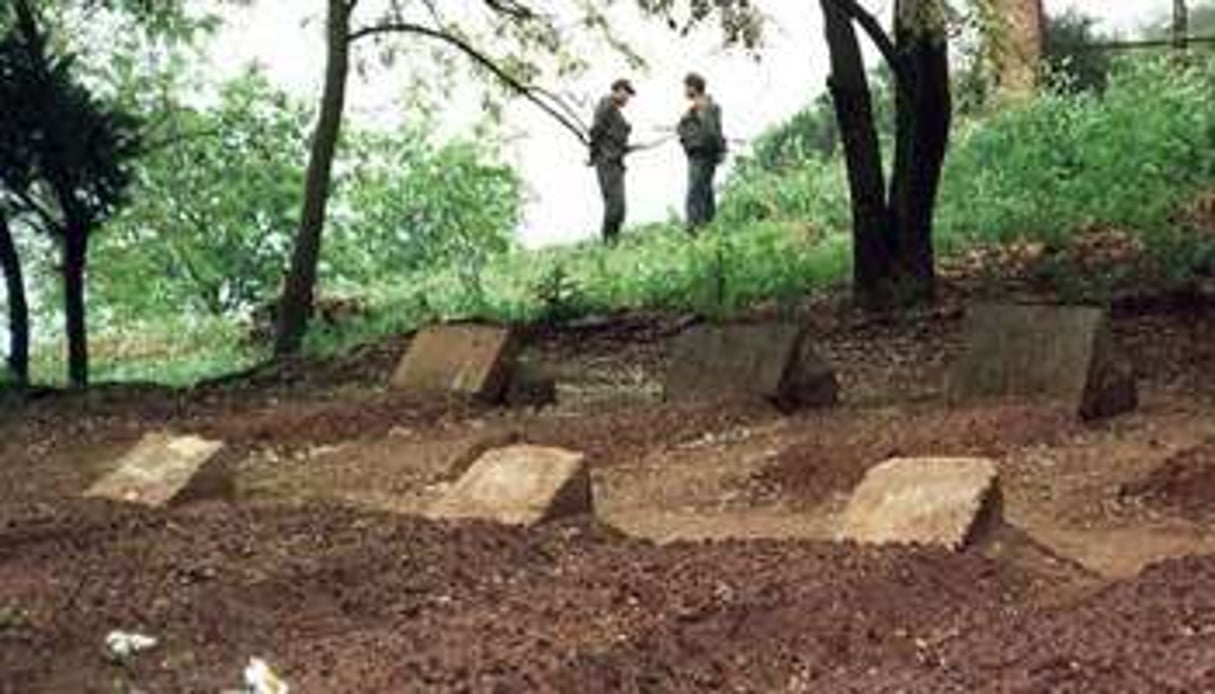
{"x":893,"y":251}
{"x":80,"y":151}
{"x":516,"y":30}
{"x":15,"y":174}
{"x":18,"y":308}
{"x":295,"y":307}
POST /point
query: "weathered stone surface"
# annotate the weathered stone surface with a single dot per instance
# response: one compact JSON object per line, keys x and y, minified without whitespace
{"x":531,"y":385}
{"x":466,"y":360}
{"x":772,"y":361}
{"x":520,"y":485}
{"x":928,"y":501}
{"x":811,"y":381}
{"x":1065,"y":354}
{"x":164,"y":469}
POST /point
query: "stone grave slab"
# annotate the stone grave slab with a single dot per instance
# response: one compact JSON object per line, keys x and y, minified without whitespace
{"x":465,"y":360}
{"x":927,"y":501}
{"x":1065,"y":354}
{"x":164,"y":469}
{"x":520,"y":485}
{"x":760,"y":361}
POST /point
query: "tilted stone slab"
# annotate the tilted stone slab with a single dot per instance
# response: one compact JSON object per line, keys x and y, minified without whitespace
{"x":164,"y":469}
{"x":927,"y":501}
{"x":520,"y":485}
{"x":1065,"y":354}
{"x":761,"y":361}
{"x":473,"y":361}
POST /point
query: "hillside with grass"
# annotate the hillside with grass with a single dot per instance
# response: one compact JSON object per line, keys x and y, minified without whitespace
{"x":1088,"y":195}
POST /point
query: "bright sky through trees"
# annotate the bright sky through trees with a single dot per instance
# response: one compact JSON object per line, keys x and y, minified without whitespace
{"x":565,"y":204}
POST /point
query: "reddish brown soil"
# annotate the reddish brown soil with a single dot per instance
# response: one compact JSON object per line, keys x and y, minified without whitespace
{"x":341,"y":601}
{"x":833,"y":459}
{"x":1184,"y":484}
{"x":345,"y":600}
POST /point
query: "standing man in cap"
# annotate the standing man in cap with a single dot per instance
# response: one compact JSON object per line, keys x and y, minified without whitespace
{"x":609,"y":145}
{"x":700,"y":133}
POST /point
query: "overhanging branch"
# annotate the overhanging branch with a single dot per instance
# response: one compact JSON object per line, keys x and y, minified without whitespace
{"x":532,"y":94}
{"x":872,"y":28}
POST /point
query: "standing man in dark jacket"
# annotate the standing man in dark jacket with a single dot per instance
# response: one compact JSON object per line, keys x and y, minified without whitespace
{"x":700,"y":132}
{"x":609,"y":145}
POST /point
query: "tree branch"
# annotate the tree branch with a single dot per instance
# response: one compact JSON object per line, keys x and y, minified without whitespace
{"x":529,"y":92}
{"x":872,"y":28}
{"x":35,"y":207}
{"x":511,"y":8}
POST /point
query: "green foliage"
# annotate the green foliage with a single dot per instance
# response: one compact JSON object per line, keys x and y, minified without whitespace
{"x":1126,"y":158}
{"x":406,"y":204}
{"x":1069,"y":54}
{"x":813,"y":132}
{"x":218,"y":203}
{"x":720,"y":272}
{"x":420,"y":232}
{"x":215,"y":208}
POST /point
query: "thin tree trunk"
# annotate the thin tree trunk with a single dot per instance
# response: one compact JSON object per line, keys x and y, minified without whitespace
{"x":853,"y":102}
{"x":75,"y":255}
{"x":1181,"y":26}
{"x":18,"y":308}
{"x":924,"y":110}
{"x":295,"y":305}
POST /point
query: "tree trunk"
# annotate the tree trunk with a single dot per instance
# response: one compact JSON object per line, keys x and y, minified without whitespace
{"x":75,"y":255}
{"x":1181,"y":26}
{"x":18,"y":308}
{"x":295,"y":305}
{"x":872,"y":232}
{"x":1018,"y":47}
{"x":924,"y":108}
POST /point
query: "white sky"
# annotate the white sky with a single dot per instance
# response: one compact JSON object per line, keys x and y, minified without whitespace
{"x":564,"y":205}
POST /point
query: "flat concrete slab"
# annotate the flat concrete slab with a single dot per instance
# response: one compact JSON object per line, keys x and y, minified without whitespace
{"x":520,"y":485}
{"x":1064,"y":354}
{"x":924,"y":501}
{"x":465,"y":360}
{"x":760,"y":361}
{"x":164,"y":469}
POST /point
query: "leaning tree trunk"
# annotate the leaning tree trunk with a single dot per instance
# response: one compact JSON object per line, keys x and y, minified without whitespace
{"x":924,"y":115}
{"x":295,"y":305}
{"x":872,"y":226}
{"x":75,"y":255}
{"x":18,"y":308}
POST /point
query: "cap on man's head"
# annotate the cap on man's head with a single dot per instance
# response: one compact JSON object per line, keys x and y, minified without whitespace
{"x":624,"y":86}
{"x":696,"y":82}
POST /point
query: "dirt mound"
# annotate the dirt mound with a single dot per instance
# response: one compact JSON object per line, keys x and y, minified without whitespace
{"x":343,"y":601}
{"x":1155,"y":633}
{"x":621,"y":435}
{"x":835,"y":456}
{"x":1184,"y":484}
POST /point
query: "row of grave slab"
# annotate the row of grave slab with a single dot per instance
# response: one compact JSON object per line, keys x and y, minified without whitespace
{"x":939,"y":501}
{"x":1064,"y":354}
{"x":1057,"y":353}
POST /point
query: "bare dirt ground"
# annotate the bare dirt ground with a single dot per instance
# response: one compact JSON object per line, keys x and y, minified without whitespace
{"x":711,"y":565}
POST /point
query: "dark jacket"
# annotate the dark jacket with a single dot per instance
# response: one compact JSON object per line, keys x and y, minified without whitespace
{"x":700,"y":133}
{"x":609,"y":134}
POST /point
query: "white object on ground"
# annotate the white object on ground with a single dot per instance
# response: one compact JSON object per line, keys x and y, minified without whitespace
{"x":122,"y":645}
{"x":260,"y":679}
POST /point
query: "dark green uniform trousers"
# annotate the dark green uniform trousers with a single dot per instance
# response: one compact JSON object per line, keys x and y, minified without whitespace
{"x":611,"y":185}
{"x":701,"y":203}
